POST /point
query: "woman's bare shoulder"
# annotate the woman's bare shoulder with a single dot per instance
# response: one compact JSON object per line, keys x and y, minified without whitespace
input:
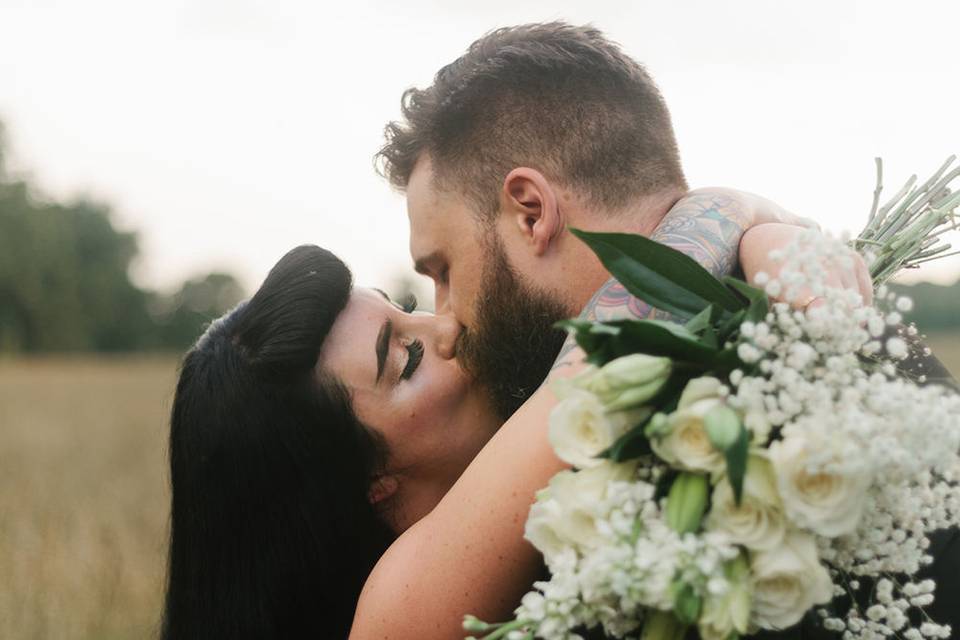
{"x":468,"y":555}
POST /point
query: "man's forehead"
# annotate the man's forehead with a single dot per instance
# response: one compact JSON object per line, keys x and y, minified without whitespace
{"x":428,"y":213}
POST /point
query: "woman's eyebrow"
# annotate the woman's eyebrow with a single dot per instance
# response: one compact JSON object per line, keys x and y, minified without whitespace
{"x":383,"y":346}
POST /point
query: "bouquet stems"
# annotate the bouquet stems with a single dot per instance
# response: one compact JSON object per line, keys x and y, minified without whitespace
{"x":907,"y":231}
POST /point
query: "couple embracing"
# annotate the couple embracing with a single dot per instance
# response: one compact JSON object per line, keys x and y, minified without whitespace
{"x":343,"y":466}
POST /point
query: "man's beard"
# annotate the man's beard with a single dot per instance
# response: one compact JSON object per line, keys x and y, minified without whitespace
{"x":513,"y":346}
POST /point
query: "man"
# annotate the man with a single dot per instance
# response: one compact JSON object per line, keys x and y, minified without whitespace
{"x":536,"y":129}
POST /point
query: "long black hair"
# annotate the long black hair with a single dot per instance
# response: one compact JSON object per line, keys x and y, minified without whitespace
{"x":271,"y":533}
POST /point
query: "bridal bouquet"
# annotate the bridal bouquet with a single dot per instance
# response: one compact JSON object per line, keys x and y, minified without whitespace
{"x":755,"y":465}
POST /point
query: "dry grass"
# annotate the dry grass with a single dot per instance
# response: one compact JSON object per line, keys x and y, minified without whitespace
{"x":83,"y":496}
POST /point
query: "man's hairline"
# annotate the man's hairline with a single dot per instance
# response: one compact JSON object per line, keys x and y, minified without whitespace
{"x":486,"y":221}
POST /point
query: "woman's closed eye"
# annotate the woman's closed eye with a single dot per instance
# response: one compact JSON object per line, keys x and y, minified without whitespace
{"x":415,"y":355}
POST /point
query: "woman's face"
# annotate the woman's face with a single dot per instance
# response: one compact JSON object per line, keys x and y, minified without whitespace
{"x":406,"y":383}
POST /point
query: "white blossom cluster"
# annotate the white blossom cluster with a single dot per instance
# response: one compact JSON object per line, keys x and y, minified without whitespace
{"x":611,"y":554}
{"x":865,"y":459}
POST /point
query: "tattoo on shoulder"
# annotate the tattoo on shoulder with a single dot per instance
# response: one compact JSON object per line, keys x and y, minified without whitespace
{"x":707,"y":227}
{"x":612,"y":301}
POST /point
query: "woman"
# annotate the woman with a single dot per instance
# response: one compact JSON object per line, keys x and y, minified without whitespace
{"x":277,"y":514}
{"x":311,"y":426}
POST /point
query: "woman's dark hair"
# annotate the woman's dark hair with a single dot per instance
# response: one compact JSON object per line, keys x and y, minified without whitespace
{"x":272,"y":534}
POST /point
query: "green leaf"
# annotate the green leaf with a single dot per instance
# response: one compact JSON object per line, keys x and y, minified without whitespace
{"x":630,"y":445}
{"x":636,"y":442}
{"x":686,"y":604}
{"x":607,"y":341}
{"x":736,"y":457}
{"x":662,"y":277}
{"x":728,"y":435}
{"x":731,"y":325}
{"x":701,"y":321}
{"x":759,"y":304}
{"x":662,"y":625}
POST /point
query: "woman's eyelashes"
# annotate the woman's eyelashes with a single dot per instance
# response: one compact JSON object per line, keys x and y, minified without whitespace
{"x":414,"y":356}
{"x":410,"y":304}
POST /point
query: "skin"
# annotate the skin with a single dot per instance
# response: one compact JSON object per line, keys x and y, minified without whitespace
{"x":535,"y":213}
{"x":468,"y":555}
{"x":434,"y":422}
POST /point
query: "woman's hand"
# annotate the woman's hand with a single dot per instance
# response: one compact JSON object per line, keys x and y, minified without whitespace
{"x":759,"y":241}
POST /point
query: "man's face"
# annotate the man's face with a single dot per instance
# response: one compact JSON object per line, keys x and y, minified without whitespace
{"x":508,"y":343}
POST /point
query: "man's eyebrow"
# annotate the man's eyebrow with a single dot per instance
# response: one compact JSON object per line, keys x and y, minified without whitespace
{"x":383,"y":346}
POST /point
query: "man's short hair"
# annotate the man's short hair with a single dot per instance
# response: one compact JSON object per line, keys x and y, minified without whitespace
{"x":561,"y":99}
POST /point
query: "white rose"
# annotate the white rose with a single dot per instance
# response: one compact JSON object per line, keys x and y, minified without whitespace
{"x":565,"y":513}
{"x":579,"y":495}
{"x":581,"y":428}
{"x":788,"y":581}
{"x":758,"y":522}
{"x":684,"y":443}
{"x":828,"y":501}
{"x":541,"y":527}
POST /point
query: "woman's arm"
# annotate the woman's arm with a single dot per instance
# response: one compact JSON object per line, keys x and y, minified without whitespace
{"x":469,"y":555}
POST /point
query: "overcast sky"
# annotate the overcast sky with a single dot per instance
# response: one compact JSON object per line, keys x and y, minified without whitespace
{"x":227,"y":132}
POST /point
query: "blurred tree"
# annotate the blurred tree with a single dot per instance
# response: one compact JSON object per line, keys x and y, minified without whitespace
{"x":183,"y":316}
{"x":65,"y":283}
{"x":936,"y":307}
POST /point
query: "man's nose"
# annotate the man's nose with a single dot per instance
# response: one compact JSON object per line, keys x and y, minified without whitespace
{"x":441,"y":300}
{"x":446,"y":332}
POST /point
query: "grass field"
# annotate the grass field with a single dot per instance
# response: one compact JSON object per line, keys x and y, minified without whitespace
{"x":83,"y":494}
{"x":83,"y":498}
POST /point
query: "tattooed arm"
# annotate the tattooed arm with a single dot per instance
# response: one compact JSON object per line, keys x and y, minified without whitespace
{"x":707,"y":225}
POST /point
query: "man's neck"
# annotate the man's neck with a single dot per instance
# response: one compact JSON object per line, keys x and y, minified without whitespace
{"x":640,"y":217}
{"x":643,"y":216}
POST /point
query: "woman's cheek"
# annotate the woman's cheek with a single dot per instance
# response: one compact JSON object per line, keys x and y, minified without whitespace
{"x":439,"y":390}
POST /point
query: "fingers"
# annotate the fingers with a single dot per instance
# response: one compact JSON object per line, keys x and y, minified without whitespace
{"x":838,"y":275}
{"x":848,"y":278}
{"x":864,"y":281}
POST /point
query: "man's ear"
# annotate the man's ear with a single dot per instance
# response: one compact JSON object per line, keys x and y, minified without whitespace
{"x":381,"y":488}
{"x":533,"y":206}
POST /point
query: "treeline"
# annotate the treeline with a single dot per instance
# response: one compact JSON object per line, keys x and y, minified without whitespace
{"x":936,"y":307}
{"x":65,"y":281}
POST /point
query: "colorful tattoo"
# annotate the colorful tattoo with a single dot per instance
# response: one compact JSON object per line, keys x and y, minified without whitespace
{"x":707,"y":227}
